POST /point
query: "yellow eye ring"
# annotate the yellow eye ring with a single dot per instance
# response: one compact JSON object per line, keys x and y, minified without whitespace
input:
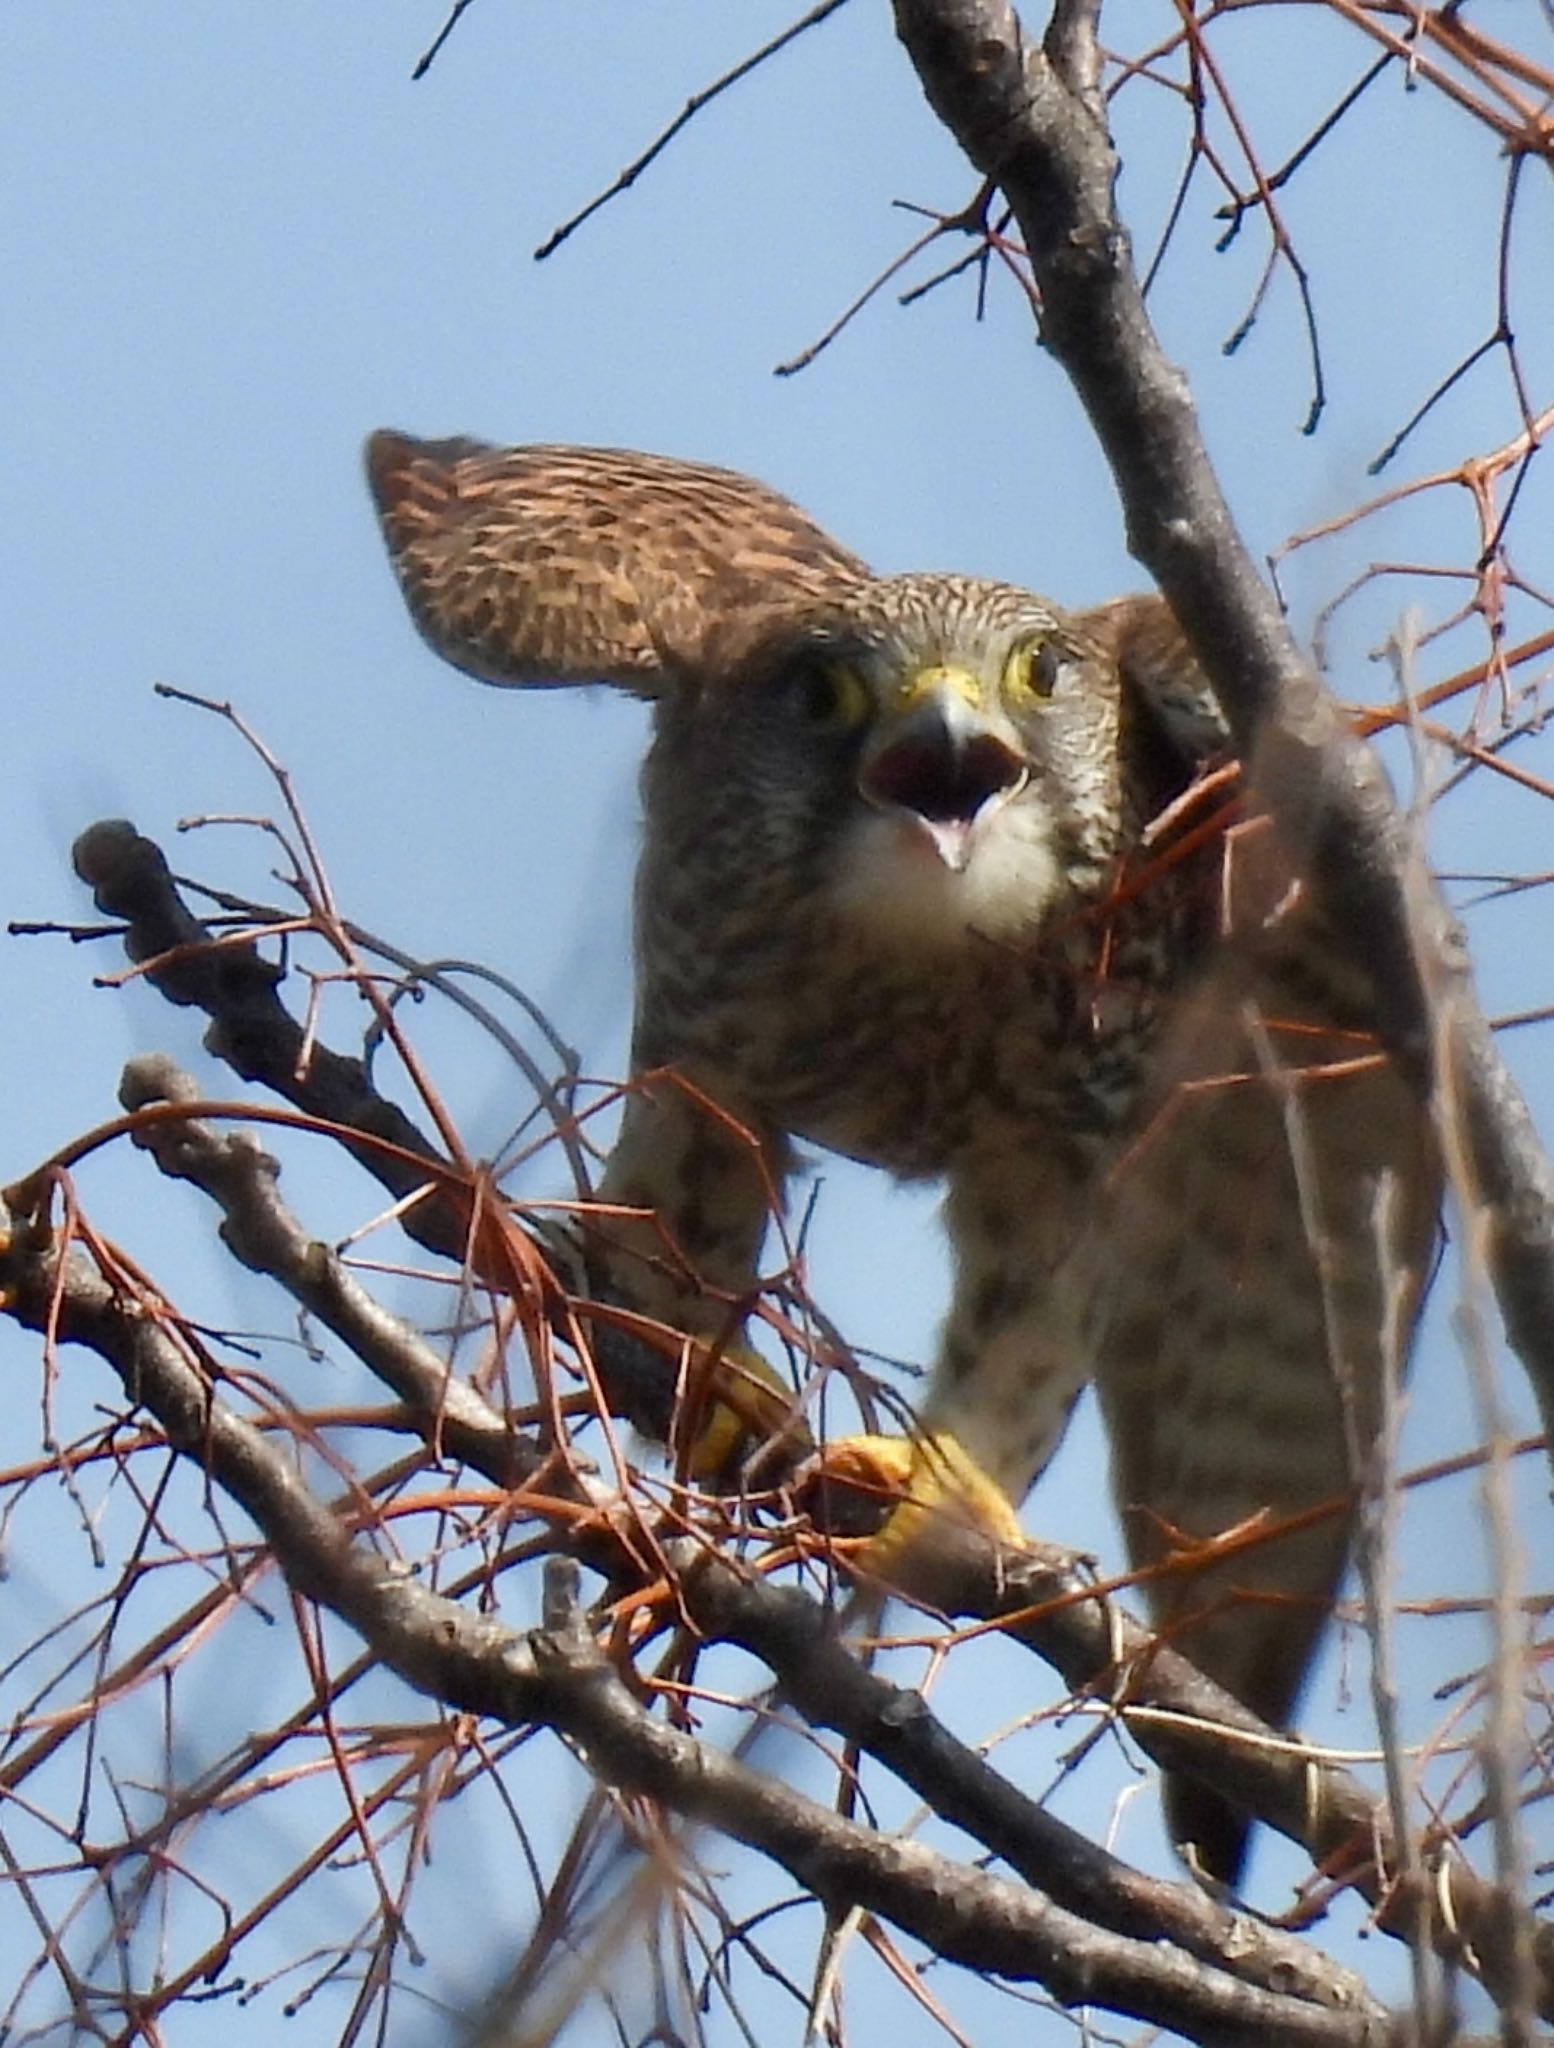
{"x":1033,"y":669}
{"x":832,"y":695}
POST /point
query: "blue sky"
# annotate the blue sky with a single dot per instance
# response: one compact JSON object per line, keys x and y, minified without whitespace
{"x":238,"y":238}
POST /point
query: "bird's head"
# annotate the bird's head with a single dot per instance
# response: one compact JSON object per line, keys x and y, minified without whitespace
{"x":951,"y":742}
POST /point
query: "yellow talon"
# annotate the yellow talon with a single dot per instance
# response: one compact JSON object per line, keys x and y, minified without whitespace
{"x":935,"y":1480}
{"x":926,"y":1484}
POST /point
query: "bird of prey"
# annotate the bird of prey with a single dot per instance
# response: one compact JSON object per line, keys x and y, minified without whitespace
{"x":925,"y":879}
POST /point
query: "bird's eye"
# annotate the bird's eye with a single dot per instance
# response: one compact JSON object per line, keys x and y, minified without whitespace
{"x":1034,"y":669}
{"x":830,"y":695}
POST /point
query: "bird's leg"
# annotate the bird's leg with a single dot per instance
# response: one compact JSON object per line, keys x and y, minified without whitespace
{"x":1010,"y":1365}
{"x":676,"y":1235}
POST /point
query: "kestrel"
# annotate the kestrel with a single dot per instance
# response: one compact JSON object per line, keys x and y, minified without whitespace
{"x":930,"y":877}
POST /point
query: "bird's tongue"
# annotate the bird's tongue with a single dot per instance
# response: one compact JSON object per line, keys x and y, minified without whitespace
{"x":947,"y":788}
{"x":950,"y":838}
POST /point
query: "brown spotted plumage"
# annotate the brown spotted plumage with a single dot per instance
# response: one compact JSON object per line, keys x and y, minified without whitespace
{"x":904,"y":892}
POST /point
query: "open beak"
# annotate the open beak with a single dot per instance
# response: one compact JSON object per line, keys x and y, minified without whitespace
{"x":936,"y":761}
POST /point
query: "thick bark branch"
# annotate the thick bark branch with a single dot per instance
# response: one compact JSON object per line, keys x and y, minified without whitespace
{"x":251,"y":1029}
{"x":262,"y":1233}
{"x":829,"y":1686}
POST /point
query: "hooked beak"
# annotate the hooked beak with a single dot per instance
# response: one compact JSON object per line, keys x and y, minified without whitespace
{"x":936,"y":761}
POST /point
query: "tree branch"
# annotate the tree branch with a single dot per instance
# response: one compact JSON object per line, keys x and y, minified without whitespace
{"x":251,"y":1029}
{"x":558,"y":1676}
{"x":828,"y":1685}
{"x":1181,"y":1719}
{"x":1043,"y":1598}
{"x":1027,"y":116}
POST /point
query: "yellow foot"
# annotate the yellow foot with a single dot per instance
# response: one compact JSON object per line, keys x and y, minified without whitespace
{"x":937,"y":1483}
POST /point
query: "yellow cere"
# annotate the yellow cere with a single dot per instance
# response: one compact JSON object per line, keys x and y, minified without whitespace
{"x":930,"y":682}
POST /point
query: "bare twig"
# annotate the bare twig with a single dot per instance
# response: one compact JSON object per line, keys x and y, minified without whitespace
{"x":425,"y":62}
{"x":693,"y":106}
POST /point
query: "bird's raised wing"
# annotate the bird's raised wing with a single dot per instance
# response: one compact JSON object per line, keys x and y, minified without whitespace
{"x":555,"y":565}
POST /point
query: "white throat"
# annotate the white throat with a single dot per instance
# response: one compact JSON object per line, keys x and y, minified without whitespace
{"x":893,"y":879}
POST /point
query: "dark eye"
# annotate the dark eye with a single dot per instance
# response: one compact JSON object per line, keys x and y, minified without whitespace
{"x":830,"y":695}
{"x":1035,"y":670}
